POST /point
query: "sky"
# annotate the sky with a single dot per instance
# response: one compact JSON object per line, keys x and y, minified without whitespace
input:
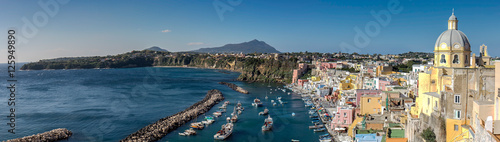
{"x":72,"y":28}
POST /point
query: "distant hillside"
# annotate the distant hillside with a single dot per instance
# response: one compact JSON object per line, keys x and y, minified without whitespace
{"x":156,"y":48}
{"x":245,"y":47}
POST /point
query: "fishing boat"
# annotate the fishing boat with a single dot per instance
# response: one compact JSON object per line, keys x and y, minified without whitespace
{"x":188,"y":132}
{"x":224,"y":106}
{"x":257,"y":102}
{"x":197,"y":125}
{"x":293,"y":113}
{"x":226,"y":131}
{"x":234,"y":118}
{"x":319,"y":130}
{"x":208,"y":120}
{"x":265,"y":112}
{"x":325,"y":139}
{"x":217,"y":113}
{"x":268,"y":124}
{"x":316,"y":126}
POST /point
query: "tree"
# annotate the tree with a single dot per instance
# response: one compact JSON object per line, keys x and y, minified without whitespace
{"x":428,"y":135}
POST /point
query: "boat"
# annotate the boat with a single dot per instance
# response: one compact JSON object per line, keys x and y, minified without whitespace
{"x":316,"y":126}
{"x":238,"y":104}
{"x":227,"y":103}
{"x":268,"y":124}
{"x":319,"y":130}
{"x":279,"y":98}
{"x":293,"y":113}
{"x":217,"y":113}
{"x":226,"y":131}
{"x":288,"y":93}
{"x":234,"y":118}
{"x":197,"y":125}
{"x":293,"y":140}
{"x":324,"y":135}
{"x":224,"y":106}
{"x":266,"y":97}
{"x":325,"y":139}
{"x":312,"y":112}
{"x":188,"y":132}
{"x":265,"y":112}
{"x":208,"y":120}
{"x":257,"y":102}
{"x":239,"y":112}
{"x":274,"y":104}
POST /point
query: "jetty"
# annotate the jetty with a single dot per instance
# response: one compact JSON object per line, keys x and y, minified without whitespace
{"x":235,"y":87}
{"x":162,"y":127}
{"x":50,"y":136}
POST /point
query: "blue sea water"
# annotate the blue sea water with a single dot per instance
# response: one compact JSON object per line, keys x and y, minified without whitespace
{"x":109,"y":104}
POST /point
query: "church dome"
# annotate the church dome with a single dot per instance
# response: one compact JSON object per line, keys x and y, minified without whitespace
{"x":453,"y":39}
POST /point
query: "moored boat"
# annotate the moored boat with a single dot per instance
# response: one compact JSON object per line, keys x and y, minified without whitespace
{"x":265,"y":112}
{"x":316,"y":126}
{"x":257,"y":102}
{"x":197,"y":125}
{"x":319,"y":130}
{"x":226,"y":131}
{"x":268,"y":124}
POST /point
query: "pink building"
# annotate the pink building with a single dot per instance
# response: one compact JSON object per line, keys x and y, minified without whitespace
{"x":325,"y":65}
{"x":302,"y":81}
{"x":343,"y":118}
{"x":382,"y":84}
{"x":361,"y":92}
{"x":298,"y":72}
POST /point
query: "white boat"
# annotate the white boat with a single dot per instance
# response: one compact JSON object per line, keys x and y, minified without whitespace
{"x":257,"y":102}
{"x":217,"y":113}
{"x":293,"y":113}
{"x":226,"y":131}
{"x":188,"y":132}
{"x":268,"y":124}
{"x":265,"y":112}
{"x":197,"y":125}
{"x":208,"y":120}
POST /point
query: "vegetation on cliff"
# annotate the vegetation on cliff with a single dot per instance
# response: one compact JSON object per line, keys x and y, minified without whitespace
{"x":252,"y":69}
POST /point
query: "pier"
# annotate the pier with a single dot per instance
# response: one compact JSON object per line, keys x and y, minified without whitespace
{"x":50,"y":136}
{"x":162,"y":127}
{"x":235,"y":87}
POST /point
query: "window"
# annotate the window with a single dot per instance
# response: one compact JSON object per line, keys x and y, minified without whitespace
{"x":455,"y":59}
{"x":368,"y":100}
{"x":457,"y":114}
{"x":436,"y":104}
{"x":456,"y":127}
{"x":443,"y":60}
{"x":345,"y":114}
{"x":457,"y":99}
{"x":428,"y":101}
{"x":345,"y":121}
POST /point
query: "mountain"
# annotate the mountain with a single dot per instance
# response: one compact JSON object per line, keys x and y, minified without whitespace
{"x":245,"y":47}
{"x":156,"y":48}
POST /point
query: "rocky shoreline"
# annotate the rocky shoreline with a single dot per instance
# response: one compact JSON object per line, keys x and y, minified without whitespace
{"x":162,"y":127}
{"x":235,"y":87}
{"x":50,"y":136}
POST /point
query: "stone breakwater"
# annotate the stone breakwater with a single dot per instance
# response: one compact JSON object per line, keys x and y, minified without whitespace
{"x":235,"y":87}
{"x":162,"y":127}
{"x":50,"y":136}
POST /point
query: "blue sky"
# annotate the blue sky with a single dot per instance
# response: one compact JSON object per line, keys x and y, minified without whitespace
{"x":88,"y":28}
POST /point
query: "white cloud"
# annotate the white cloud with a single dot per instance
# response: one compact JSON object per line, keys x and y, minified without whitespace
{"x":195,"y":43}
{"x":166,"y":31}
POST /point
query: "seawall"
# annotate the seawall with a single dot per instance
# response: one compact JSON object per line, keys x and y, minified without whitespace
{"x":50,"y":136}
{"x":162,"y":127}
{"x":235,"y":87}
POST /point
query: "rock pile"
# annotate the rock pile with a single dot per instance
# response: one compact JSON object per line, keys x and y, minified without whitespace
{"x":235,"y":87}
{"x":162,"y":127}
{"x":50,"y":136}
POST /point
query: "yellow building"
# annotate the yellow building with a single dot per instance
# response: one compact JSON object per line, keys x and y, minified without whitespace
{"x":446,"y":91}
{"x":370,"y":104}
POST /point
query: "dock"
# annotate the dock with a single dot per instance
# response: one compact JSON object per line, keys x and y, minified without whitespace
{"x":50,"y":136}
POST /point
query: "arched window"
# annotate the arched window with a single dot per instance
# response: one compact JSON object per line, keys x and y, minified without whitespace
{"x":455,"y":59}
{"x":443,"y":60}
{"x":466,"y":59}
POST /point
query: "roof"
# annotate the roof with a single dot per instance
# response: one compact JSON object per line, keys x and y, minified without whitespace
{"x":434,"y":94}
{"x":452,"y":37}
{"x":452,"y":17}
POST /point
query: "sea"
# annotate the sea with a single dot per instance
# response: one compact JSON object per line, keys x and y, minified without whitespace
{"x":110,"y":104}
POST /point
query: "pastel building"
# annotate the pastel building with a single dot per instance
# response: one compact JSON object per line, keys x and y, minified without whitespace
{"x":343,"y":117}
{"x":370,"y":104}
